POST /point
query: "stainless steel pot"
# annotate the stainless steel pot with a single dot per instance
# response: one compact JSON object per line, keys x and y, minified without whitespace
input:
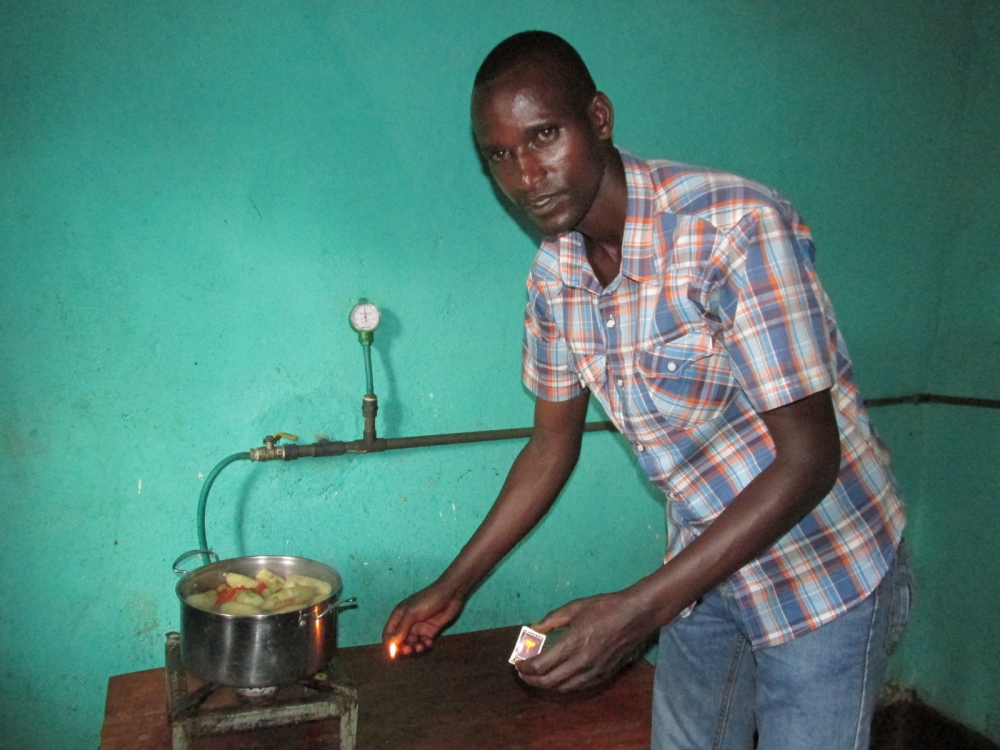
{"x":253,"y":651}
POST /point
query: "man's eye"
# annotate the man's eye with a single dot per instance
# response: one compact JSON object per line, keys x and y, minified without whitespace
{"x":498,"y":156}
{"x":547,"y":134}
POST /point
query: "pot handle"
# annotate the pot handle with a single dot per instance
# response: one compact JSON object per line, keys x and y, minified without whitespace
{"x":192,"y":553}
{"x":305,"y":615}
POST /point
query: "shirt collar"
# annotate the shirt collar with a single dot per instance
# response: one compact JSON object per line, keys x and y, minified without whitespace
{"x":637,"y":242}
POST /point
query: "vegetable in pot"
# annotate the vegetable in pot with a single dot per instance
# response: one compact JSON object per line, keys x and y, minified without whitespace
{"x":266,"y":593}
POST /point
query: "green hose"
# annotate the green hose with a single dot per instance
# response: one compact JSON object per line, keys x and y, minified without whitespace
{"x":203,"y":498}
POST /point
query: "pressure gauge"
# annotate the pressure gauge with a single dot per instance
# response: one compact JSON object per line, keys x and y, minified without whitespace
{"x":365,"y":317}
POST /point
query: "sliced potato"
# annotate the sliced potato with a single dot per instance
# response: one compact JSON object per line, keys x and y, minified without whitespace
{"x":277,"y":600}
{"x":203,"y":600}
{"x":238,"y":608}
{"x":238,"y":580}
{"x":250,"y":597}
{"x":321,"y":587}
{"x":292,"y":596}
{"x":302,"y":594}
{"x":272,"y":580}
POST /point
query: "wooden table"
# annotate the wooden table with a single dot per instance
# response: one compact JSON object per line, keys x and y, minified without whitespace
{"x":461,"y":694}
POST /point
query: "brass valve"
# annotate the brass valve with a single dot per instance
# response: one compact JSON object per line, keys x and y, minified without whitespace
{"x":271,"y":451}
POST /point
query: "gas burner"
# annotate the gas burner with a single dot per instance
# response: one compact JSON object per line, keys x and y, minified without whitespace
{"x":320,"y":712}
{"x":258,"y":694}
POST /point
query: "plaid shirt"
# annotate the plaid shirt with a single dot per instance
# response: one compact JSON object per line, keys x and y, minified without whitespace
{"x":718,"y":315}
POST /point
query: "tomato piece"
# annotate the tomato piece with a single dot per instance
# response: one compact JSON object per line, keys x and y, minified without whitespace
{"x":227,"y":595}
{"x":259,"y":588}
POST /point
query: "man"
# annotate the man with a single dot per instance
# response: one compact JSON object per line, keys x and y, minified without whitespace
{"x":687,"y":302}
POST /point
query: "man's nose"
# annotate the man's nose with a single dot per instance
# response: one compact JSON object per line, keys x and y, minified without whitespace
{"x":530,"y":171}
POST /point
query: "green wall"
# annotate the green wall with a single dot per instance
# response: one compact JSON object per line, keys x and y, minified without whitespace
{"x":192,"y":196}
{"x":950,"y":653}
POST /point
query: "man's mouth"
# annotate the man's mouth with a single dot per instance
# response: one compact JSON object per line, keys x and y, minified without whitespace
{"x":541,"y":203}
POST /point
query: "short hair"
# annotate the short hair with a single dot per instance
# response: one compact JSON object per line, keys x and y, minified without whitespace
{"x":516,"y":49}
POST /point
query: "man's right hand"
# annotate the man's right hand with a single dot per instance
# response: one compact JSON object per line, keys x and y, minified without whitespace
{"x":417,"y":620}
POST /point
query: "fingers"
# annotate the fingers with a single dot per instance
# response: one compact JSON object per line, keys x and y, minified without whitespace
{"x":567,"y":671}
{"x":408,"y":632}
{"x":579,"y":681}
{"x":418,"y":639}
{"x":413,"y":625}
{"x":399,"y":624}
{"x":543,"y":664}
{"x":572,"y":665}
{"x":404,"y":629}
{"x":391,"y":628}
{"x":557,"y":618}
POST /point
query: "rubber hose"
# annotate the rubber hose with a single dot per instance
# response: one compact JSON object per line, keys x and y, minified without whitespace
{"x":203,"y":498}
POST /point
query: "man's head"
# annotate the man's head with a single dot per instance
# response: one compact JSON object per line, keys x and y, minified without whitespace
{"x":574,"y":77}
{"x":543,"y":128}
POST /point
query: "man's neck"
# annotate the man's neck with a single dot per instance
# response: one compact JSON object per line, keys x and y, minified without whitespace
{"x":603,"y":228}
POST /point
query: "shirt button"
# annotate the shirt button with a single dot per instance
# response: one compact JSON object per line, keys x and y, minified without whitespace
{"x":672,"y":495}
{"x":640,"y":447}
{"x":671,"y":366}
{"x":620,"y":382}
{"x":611,"y":322}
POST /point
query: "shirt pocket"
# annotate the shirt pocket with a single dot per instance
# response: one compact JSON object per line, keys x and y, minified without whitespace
{"x":688,"y":380}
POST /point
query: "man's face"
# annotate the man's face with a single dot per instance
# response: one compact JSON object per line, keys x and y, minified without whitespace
{"x":546,"y":155}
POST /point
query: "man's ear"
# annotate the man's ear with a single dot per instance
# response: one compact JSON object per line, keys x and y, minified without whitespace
{"x":602,"y":116}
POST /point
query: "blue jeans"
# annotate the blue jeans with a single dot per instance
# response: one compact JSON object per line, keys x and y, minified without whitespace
{"x":818,"y":691}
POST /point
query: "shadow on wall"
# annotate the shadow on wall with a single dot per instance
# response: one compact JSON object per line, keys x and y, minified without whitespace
{"x":390,"y":411}
{"x":903,"y":722}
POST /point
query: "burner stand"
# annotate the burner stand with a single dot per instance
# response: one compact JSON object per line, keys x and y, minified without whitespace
{"x":213,"y":710}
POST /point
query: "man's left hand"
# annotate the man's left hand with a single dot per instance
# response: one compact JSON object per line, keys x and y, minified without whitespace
{"x":602,"y":633}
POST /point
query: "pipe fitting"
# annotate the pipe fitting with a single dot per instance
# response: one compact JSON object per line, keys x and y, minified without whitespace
{"x":375,"y":445}
{"x":369,"y":410}
{"x":271,"y":451}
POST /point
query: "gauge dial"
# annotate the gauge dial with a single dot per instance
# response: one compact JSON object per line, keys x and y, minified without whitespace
{"x":365,"y":317}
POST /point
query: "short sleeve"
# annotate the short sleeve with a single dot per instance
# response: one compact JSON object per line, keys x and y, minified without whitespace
{"x":545,"y":369}
{"x":780,"y":347}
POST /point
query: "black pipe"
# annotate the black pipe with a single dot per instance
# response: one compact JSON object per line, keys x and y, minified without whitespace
{"x":932,"y":398}
{"x":483,"y":436}
{"x":371,"y":444}
{"x":369,"y":409}
{"x":293,"y":451}
{"x":314,"y":450}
